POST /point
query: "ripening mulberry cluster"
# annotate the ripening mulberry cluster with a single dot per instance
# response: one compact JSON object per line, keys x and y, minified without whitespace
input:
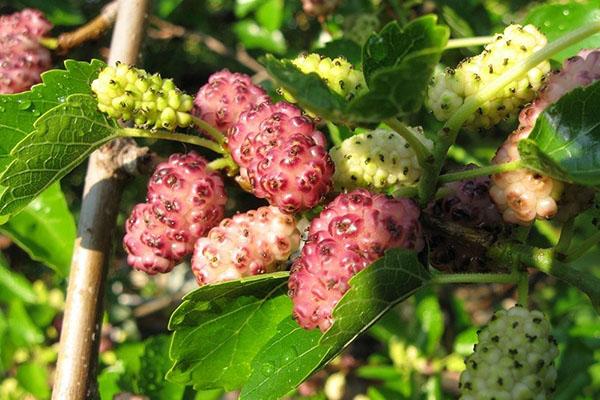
{"x":226,"y":95}
{"x":185,"y":200}
{"x":339,"y":75}
{"x":449,"y":88}
{"x":523,"y":195}
{"x":514,"y":358}
{"x":351,"y":232}
{"x":22,"y":57}
{"x":282,"y":157}
{"x":377,"y":159}
{"x":256,"y":242}
{"x":467,"y":205}
{"x":150,"y":101}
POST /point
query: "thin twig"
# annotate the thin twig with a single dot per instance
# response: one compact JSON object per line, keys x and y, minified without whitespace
{"x":90,"y":31}
{"x":105,"y":179}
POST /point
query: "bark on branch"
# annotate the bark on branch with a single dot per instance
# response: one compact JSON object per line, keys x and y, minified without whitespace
{"x":107,"y":169}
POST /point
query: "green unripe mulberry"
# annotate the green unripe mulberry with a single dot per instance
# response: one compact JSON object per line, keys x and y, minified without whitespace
{"x":339,"y":75}
{"x":450,"y":87}
{"x":149,"y":101}
{"x":514,"y":359}
{"x":376,"y":159}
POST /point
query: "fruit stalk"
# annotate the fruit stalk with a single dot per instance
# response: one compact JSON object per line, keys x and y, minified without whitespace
{"x":77,"y":361}
{"x":545,"y":260}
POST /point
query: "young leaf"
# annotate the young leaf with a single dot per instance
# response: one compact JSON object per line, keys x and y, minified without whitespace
{"x":18,"y":112}
{"x":219,"y":329}
{"x":62,"y":139}
{"x":45,"y":229}
{"x":554,"y":20}
{"x":566,"y":139}
{"x":14,"y":285}
{"x":398,"y":63}
{"x":293,"y":354}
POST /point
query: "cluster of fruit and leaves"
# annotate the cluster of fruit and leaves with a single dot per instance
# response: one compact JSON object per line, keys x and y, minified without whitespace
{"x":364,"y":209}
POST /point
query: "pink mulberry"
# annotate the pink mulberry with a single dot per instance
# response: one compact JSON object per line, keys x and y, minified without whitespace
{"x":282,"y":157}
{"x":184,"y":201}
{"x":253,"y":243}
{"x":351,"y":233}
{"x":22,"y":58}
{"x":226,"y":95}
{"x":522,"y":195}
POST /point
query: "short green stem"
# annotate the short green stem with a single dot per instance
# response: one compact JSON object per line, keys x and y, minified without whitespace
{"x":422,"y":152}
{"x":179,"y":137}
{"x":447,"y":135}
{"x":334,"y":133}
{"x":582,"y":248}
{"x":522,"y":285}
{"x":545,"y":260}
{"x":474,"y":278}
{"x":213,"y":132}
{"x":468,"y":42}
{"x":481,"y":171}
{"x":404,"y":191}
{"x":49,"y":42}
{"x":226,"y":163}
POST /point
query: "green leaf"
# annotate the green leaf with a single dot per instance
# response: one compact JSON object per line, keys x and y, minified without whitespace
{"x":346,"y":48}
{"x":254,"y":36}
{"x":45,"y":229}
{"x":431,"y":320}
{"x":219,"y":329}
{"x":373,"y":291}
{"x":23,"y":331}
{"x":309,"y":90}
{"x":19,"y":111}
{"x":566,"y":139}
{"x":166,"y":7}
{"x":34,"y":378}
{"x":62,"y":139}
{"x":270,"y":14}
{"x":154,"y":365}
{"x":288,"y":359}
{"x":554,"y":20}
{"x":398,"y":64}
{"x":14,"y":285}
{"x":245,"y":7}
{"x":293,"y":354}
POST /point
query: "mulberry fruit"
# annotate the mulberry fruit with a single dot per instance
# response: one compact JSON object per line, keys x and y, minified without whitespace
{"x":226,"y":95}
{"x":449,"y":88}
{"x":22,"y":57}
{"x":467,"y":206}
{"x":377,"y":159}
{"x":514,"y":358}
{"x":350,"y":233}
{"x":282,"y":156}
{"x":185,"y":200}
{"x":339,"y":75}
{"x":149,"y":101}
{"x":523,"y":195}
{"x":256,"y":242}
